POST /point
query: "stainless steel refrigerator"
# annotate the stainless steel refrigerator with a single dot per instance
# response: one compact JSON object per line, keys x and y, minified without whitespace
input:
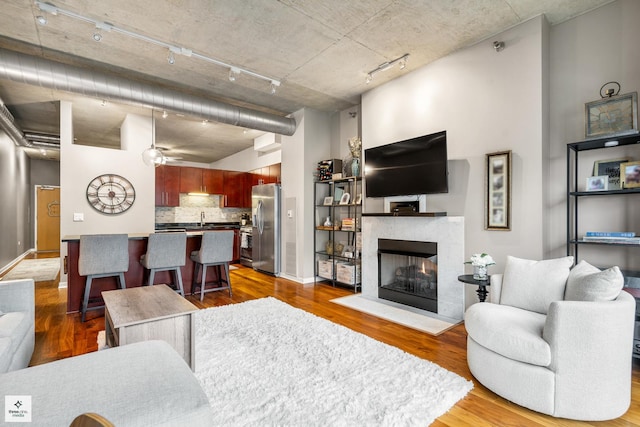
{"x":265,"y":236}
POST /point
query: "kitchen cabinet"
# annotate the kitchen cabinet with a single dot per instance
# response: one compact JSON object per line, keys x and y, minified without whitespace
{"x":274,"y":174}
{"x":236,"y":245}
{"x":197,"y":180}
{"x":213,"y":181}
{"x":235,"y":190}
{"x":266,"y":175}
{"x":167,"y":186}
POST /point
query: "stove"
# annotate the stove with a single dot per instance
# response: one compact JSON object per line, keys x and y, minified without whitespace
{"x":245,"y":245}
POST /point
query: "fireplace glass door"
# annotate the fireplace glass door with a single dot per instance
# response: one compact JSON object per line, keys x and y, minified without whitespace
{"x":408,"y":273}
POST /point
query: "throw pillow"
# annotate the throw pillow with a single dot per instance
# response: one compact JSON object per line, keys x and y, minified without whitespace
{"x":534,"y":285}
{"x":588,"y":283}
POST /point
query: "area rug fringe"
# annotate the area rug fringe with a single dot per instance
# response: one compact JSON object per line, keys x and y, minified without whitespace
{"x":263,"y":362}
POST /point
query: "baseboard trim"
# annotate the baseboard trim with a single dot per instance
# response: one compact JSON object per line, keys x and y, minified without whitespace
{"x":15,"y":261}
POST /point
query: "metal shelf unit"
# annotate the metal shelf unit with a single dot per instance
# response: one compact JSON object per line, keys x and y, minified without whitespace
{"x":574,"y":196}
{"x":337,"y":248}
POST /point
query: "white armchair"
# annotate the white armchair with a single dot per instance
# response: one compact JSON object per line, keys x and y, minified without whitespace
{"x":572,"y":360}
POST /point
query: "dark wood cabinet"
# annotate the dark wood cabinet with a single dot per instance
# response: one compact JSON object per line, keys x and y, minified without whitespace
{"x":213,"y":181}
{"x":167,"y":186}
{"x":266,"y":175}
{"x":235,"y":187}
{"x":197,"y":180}
{"x":190,"y":180}
{"x":235,"y":190}
{"x":274,"y":174}
{"x":236,"y":244}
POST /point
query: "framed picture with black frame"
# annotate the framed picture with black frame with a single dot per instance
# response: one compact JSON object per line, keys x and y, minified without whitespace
{"x":498,"y":191}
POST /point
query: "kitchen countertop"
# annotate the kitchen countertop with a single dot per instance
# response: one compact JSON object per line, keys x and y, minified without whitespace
{"x":195,"y":226}
{"x":192,"y":229}
{"x":132,"y":236}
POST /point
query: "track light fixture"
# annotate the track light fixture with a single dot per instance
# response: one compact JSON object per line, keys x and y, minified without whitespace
{"x":234,"y":71}
{"x":498,"y":46}
{"x":165,"y":114}
{"x":274,"y":86}
{"x":233,"y":74}
{"x":401,"y":61}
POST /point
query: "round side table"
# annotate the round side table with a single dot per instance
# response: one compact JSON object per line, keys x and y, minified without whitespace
{"x":481,"y":284}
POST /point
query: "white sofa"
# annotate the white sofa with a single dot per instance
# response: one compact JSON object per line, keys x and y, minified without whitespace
{"x":555,"y":340}
{"x":17,"y":323}
{"x":136,"y":385}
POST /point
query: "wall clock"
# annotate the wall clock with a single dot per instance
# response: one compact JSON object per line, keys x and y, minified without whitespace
{"x":110,"y":194}
{"x":616,"y":115}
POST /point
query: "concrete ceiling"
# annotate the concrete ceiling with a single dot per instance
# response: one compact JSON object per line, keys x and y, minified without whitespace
{"x":321,"y":51}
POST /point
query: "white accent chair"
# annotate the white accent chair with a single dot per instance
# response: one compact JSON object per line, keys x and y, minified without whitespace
{"x":555,"y":340}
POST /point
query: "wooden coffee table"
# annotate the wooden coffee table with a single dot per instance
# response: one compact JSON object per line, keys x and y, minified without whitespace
{"x":150,"y":313}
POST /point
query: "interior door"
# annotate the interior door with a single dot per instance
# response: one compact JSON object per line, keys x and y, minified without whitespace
{"x":48,"y":218}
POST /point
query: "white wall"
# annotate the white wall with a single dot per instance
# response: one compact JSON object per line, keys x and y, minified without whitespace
{"x":301,"y":153}
{"x":80,"y":164}
{"x":587,"y":52}
{"x":487,"y":102}
{"x":345,"y":125}
{"x":248,"y":160}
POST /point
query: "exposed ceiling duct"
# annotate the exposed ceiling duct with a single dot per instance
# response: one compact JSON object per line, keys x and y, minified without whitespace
{"x":7,"y":123}
{"x":43,"y":140}
{"x":41,"y":72}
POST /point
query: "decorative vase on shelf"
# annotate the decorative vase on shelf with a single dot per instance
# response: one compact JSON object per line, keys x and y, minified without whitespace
{"x":355,"y":166}
{"x":480,"y":272}
{"x":327,"y":223}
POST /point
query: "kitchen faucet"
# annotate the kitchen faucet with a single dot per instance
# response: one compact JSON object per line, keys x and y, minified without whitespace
{"x":202,"y":219}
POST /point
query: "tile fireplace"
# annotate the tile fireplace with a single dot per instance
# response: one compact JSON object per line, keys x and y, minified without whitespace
{"x":440,"y":248}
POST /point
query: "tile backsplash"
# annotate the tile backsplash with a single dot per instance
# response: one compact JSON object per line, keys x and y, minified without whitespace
{"x":191,"y":207}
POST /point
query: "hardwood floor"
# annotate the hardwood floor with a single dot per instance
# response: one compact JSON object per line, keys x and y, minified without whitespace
{"x":59,"y":335}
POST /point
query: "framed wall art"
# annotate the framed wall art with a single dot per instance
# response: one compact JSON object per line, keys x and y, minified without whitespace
{"x":344,"y":200}
{"x":498,"y":191}
{"x":611,"y":168}
{"x":615,"y":115}
{"x":630,"y":174}
{"x":597,"y":183}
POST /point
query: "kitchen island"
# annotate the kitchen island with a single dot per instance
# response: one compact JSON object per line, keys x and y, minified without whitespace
{"x":136,"y":276}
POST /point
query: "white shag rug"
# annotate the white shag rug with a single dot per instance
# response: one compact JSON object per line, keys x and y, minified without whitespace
{"x":36,"y":269}
{"x":263,"y":362}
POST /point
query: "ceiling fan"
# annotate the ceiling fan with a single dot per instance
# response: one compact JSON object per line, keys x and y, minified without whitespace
{"x":168,"y":159}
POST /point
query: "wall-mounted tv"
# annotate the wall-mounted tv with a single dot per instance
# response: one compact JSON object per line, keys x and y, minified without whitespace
{"x":411,"y":167}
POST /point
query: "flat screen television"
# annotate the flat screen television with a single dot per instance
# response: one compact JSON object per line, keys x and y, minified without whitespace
{"x":411,"y":167}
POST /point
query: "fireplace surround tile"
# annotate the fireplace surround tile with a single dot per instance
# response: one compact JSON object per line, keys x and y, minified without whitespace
{"x":447,"y":232}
